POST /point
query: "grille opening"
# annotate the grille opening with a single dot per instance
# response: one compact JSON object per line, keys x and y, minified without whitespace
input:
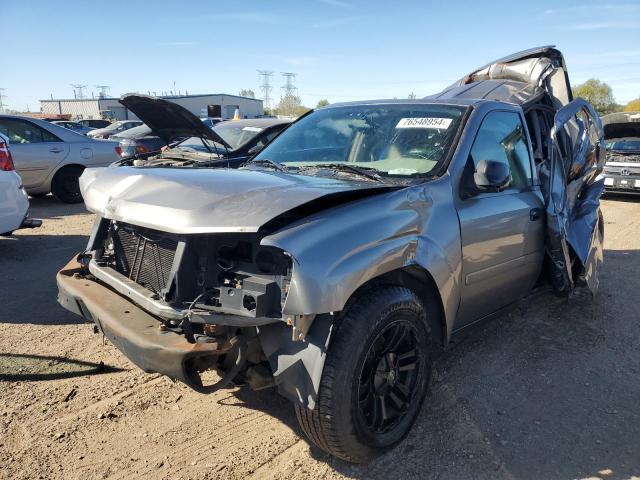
{"x":143,"y":255}
{"x":230,"y":270}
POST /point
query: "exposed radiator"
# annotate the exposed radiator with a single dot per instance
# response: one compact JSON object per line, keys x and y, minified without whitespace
{"x":143,"y":255}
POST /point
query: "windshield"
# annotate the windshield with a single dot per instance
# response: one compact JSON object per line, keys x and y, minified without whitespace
{"x":394,"y":139}
{"x":624,"y":145}
{"x":235,"y":135}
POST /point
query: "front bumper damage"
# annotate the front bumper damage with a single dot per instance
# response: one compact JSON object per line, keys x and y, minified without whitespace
{"x":295,"y":364}
{"x":622,"y":183}
{"x":139,"y":335}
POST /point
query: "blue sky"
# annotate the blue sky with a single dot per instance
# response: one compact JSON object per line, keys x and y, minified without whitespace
{"x":340,"y":49}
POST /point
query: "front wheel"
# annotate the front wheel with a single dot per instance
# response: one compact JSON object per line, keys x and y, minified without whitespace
{"x":375,"y":376}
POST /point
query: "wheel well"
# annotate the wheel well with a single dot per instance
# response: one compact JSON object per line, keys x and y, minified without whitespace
{"x":67,"y":167}
{"x":419,"y":281}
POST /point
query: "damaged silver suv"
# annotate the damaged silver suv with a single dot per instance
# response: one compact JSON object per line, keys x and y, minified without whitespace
{"x":336,"y":264}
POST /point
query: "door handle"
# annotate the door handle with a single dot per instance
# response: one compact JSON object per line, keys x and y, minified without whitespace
{"x":535,"y":214}
{"x":55,"y":150}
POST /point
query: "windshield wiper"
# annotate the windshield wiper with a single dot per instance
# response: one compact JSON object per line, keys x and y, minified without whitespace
{"x":267,"y":162}
{"x":363,"y":172}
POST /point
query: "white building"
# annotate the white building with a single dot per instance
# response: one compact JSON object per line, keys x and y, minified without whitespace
{"x":212,"y":105}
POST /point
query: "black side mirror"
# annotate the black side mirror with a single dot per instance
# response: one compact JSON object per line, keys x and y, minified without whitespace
{"x":492,"y":175}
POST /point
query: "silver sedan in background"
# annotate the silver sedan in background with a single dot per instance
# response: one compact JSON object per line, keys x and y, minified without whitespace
{"x":50,"y":158}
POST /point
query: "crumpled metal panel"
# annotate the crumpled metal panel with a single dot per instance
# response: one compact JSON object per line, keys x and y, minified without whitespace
{"x":540,"y":68}
{"x":510,"y":91}
{"x":528,"y":70}
{"x":572,"y":185}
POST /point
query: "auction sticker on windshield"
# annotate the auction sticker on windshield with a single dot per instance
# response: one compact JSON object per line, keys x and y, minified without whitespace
{"x":425,"y":122}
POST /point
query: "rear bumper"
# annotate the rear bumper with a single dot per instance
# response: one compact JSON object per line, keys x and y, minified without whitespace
{"x":15,"y":203}
{"x":133,"y":331}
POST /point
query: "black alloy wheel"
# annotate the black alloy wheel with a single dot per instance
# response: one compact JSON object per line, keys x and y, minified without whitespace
{"x":375,"y":376}
{"x":389,"y":377}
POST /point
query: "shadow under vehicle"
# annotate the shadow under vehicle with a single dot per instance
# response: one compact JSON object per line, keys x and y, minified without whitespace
{"x":337,"y":262}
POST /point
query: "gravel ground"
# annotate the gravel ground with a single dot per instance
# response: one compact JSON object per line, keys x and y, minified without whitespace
{"x":550,"y":390}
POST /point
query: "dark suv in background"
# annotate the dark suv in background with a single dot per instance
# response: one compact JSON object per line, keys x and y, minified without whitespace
{"x":228,"y":143}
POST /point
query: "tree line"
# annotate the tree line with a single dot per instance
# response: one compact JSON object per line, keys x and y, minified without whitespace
{"x":600,"y":95}
{"x":596,"y":92}
{"x":288,"y":106}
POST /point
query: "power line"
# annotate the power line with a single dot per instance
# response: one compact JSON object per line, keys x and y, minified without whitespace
{"x":266,"y":86}
{"x":78,"y":90}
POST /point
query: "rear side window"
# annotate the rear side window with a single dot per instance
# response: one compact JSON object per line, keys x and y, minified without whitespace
{"x":502,"y":138}
{"x":22,"y":131}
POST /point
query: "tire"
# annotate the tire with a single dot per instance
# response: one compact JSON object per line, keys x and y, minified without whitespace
{"x":357,"y":387}
{"x":65,"y":186}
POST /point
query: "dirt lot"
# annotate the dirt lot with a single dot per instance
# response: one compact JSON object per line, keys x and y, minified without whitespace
{"x":550,"y":391}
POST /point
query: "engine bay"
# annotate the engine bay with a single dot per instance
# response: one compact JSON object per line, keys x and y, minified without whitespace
{"x":207,"y":274}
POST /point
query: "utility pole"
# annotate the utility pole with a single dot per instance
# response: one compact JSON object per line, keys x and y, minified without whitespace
{"x":103,"y":91}
{"x":288,"y":91}
{"x":266,"y":87}
{"x":1,"y":98}
{"x":78,"y":90}
{"x":288,"y":88}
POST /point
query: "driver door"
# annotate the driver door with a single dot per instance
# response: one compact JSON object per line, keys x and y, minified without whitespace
{"x":502,"y":232}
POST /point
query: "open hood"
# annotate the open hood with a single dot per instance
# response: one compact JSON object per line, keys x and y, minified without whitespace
{"x":539,"y":67}
{"x":621,"y":125}
{"x":209,"y":200}
{"x":168,"y":120}
{"x":622,"y":130}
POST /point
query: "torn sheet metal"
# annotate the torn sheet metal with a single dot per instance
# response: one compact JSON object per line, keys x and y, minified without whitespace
{"x":536,"y":68}
{"x":572,"y":185}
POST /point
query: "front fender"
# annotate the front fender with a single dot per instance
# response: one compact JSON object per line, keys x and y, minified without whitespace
{"x":340,"y":249}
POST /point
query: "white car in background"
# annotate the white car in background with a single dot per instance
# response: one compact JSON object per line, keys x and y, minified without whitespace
{"x":14,"y":203}
{"x":114,"y":129}
{"x":50,"y":158}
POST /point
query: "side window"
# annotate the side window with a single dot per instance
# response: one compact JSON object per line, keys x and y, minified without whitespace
{"x":22,"y":131}
{"x":502,"y":138}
